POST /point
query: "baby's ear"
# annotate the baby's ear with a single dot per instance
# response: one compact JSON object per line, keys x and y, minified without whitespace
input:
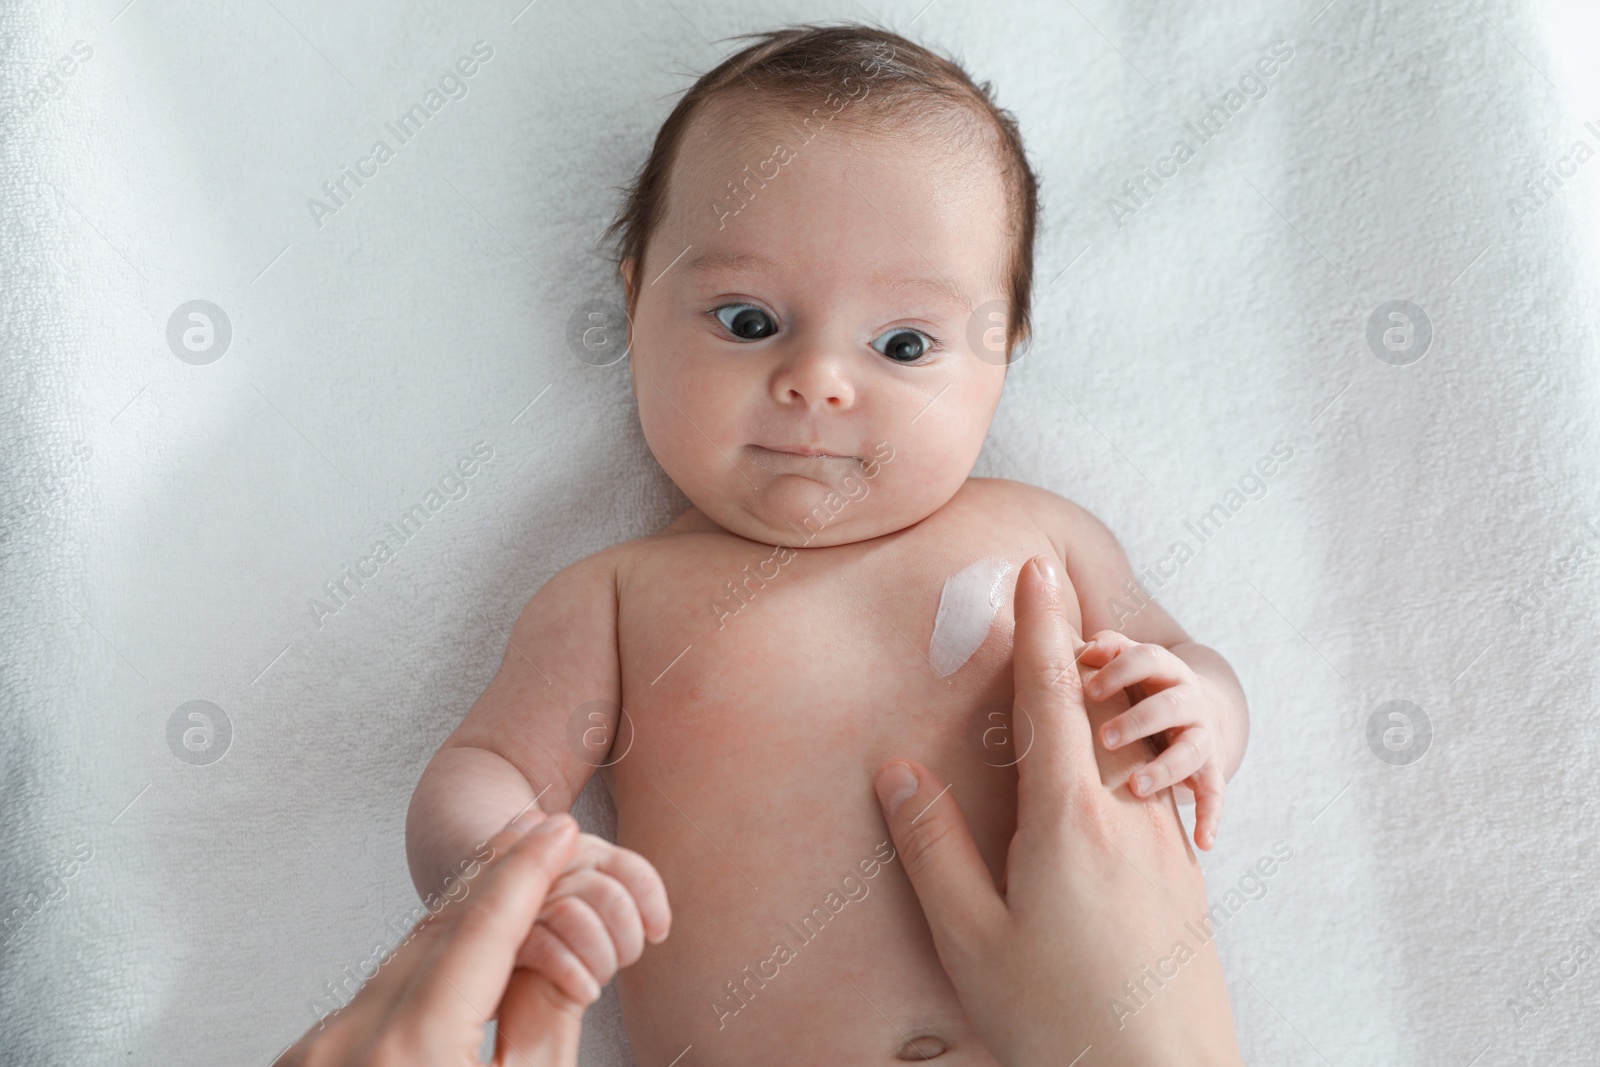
{"x":626,"y":269}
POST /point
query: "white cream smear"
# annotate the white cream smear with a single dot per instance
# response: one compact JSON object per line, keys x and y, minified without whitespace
{"x":967,"y":608}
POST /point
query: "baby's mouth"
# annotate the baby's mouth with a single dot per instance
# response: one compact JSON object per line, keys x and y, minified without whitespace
{"x":822,"y":466}
{"x":799,"y":452}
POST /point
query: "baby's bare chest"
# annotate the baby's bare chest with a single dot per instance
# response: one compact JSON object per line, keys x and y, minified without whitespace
{"x":732,"y":652}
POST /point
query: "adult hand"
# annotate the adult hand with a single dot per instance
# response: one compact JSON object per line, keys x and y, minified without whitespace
{"x":428,"y":1003}
{"x":1097,"y":948}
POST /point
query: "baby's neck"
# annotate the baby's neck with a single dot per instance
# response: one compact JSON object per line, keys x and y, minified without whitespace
{"x":696,"y":521}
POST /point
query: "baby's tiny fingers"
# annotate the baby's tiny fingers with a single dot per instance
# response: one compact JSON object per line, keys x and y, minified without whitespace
{"x":613,"y":905}
{"x":640,"y":878}
{"x":580,"y":927}
{"x":1181,"y":759}
{"x":547,"y":954}
{"x":1208,"y":800}
{"x":1153,"y":714}
{"x":636,"y":874}
{"x":1208,"y":816}
{"x":1151,"y":664}
{"x":1103,"y":647}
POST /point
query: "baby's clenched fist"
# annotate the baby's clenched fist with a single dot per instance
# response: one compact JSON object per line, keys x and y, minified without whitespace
{"x":1175,"y":705}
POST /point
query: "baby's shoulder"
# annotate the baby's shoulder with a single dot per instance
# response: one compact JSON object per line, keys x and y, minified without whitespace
{"x":595,"y":587}
{"x":690,"y":540}
{"x":1064,"y":522}
{"x":590,"y":581}
{"x":1040,"y":504}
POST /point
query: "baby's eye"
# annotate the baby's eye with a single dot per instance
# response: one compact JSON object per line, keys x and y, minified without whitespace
{"x":747,"y":322}
{"x":904,"y":345}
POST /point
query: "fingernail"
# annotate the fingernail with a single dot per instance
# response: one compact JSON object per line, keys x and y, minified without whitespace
{"x":896,"y":785}
{"x":1048,"y":571}
{"x":1112,"y":737}
{"x":554,"y":824}
{"x":1143,"y":782}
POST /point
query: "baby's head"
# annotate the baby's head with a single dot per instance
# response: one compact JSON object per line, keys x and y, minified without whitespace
{"x":829,"y":250}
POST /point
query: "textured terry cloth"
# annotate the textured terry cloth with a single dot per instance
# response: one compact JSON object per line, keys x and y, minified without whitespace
{"x":171,"y":523}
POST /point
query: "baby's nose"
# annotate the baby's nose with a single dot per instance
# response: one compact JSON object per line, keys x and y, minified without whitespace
{"x":818,"y":379}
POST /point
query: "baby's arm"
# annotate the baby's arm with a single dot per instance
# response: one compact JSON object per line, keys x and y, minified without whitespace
{"x":511,"y":747}
{"x":1178,"y":689}
{"x":511,"y":754}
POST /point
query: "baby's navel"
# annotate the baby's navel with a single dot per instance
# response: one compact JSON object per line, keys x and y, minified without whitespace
{"x":923,"y":1048}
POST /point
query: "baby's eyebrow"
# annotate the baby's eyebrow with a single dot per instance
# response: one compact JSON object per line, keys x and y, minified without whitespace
{"x":738,"y":262}
{"x":706,"y":262}
{"x":934,"y":286}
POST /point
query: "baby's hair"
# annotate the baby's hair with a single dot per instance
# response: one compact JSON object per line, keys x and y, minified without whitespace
{"x":905,"y":85}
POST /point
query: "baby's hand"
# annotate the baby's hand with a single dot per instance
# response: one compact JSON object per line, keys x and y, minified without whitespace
{"x":1176,"y":706}
{"x":596,"y":920}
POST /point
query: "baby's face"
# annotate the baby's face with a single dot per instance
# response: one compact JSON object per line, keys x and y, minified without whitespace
{"x":827,"y":312}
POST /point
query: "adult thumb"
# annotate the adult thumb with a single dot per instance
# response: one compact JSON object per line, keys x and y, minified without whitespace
{"x":539,"y":1026}
{"x":930,"y":833}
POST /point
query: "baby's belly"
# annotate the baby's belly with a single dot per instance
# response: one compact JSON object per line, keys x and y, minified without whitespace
{"x":796,"y":936}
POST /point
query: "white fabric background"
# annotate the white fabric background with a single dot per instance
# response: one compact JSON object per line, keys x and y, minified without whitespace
{"x":175,"y":562}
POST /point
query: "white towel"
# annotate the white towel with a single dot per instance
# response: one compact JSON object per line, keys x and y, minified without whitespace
{"x":173,"y":510}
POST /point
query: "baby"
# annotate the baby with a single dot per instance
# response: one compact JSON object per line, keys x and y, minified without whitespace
{"x":828,"y":260}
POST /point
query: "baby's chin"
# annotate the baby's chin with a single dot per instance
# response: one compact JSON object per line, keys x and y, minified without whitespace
{"x":809,"y":512}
